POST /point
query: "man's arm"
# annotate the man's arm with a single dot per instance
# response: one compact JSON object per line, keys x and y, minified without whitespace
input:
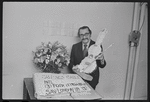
{"x":73,"y":68}
{"x":83,"y":75}
{"x":70,"y":66}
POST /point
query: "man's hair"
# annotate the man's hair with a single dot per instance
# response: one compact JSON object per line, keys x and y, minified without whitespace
{"x":84,"y":27}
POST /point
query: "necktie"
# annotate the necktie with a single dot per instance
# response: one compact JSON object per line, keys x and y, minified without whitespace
{"x":85,"y":50}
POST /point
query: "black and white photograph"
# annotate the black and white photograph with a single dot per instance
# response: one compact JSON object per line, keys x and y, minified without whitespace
{"x":74,"y":50}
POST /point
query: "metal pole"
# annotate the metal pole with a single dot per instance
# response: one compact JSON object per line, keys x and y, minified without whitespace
{"x":132,"y":54}
{"x":141,"y":22}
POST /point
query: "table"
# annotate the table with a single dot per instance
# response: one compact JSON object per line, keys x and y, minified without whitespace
{"x":28,"y":91}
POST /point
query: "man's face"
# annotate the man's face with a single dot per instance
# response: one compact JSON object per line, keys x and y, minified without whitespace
{"x":85,"y":35}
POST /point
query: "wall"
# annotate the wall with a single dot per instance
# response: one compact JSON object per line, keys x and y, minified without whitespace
{"x":23,"y":32}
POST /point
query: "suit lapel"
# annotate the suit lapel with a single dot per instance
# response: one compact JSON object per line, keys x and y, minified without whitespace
{"x":80,"y":50}
{"x":91,"y":43}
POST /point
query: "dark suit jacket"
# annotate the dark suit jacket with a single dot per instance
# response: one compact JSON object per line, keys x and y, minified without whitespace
{"x":77,"y":56}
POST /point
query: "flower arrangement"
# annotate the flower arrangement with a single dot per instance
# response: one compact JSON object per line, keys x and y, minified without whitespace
{"x":50,"y":57}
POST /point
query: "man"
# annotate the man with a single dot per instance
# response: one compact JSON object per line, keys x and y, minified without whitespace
{"x":77,"y":56}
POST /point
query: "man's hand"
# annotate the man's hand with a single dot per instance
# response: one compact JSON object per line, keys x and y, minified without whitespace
{"x":83,"y":75}
{"x":75,"y":68}
{"x":101,"y":58}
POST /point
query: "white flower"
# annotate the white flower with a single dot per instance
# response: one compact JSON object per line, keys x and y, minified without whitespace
{"x":53,"y":57}
{"x":41,"y":59}
{"x":45,"y":50}
{"x":48,"y":56}
{"x":58,"y":60}
{"x":68,"y":60}
{"x":38,"y":54}
{"x":58,"y":50}
{"x":60,"y":64}
{"x":36,"y":60}
{"x":49,"y":45}
{"x":47,"y":61}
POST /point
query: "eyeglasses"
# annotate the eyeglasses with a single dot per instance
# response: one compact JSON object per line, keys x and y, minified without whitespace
{"x":86,"y":34}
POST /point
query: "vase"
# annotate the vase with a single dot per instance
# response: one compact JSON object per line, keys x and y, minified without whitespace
{"x":64,"y":70}
{"x":51,"y":70}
